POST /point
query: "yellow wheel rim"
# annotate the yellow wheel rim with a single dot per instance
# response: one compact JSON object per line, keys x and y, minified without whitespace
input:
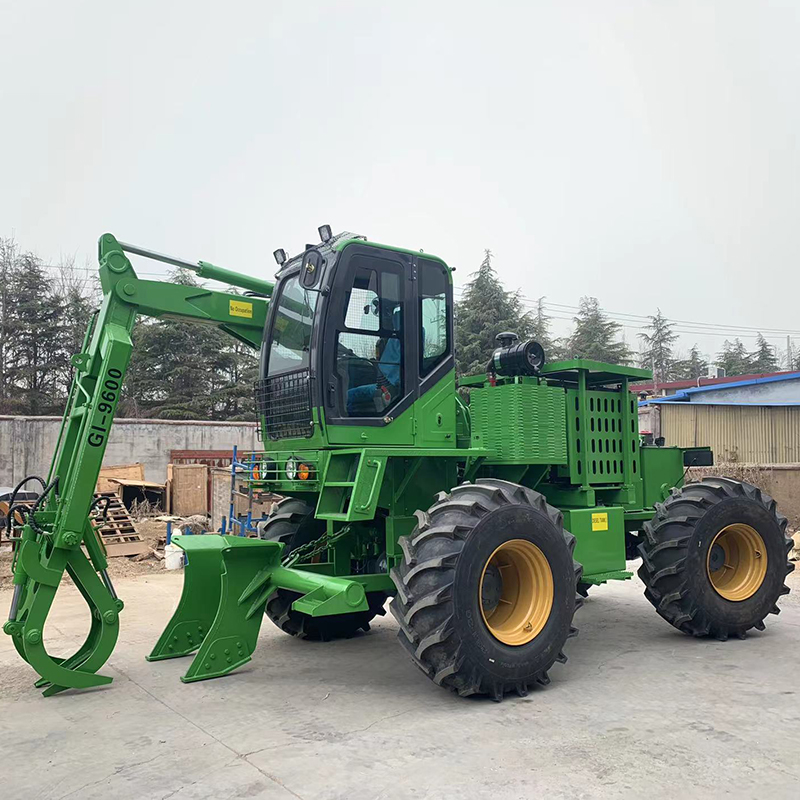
{"x":520,"y":573}
{"x":737,"y":562}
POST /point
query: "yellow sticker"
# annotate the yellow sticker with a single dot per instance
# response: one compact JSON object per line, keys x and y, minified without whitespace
{"x":239,"y":308}
{"x":600,"y":522}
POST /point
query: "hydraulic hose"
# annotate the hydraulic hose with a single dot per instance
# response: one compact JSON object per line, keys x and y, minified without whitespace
{"x":13,"y":497}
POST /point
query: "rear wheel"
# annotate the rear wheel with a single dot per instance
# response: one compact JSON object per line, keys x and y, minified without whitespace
{"x":714,"y":558}
{"x":486,"y":589}
{"x":292,"y":522}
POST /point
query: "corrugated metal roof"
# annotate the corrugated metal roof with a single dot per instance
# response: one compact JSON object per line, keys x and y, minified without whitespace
{"x":685,"y":395}
{"x":697,"y":382}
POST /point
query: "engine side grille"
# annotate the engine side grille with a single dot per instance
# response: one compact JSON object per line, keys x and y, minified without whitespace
{"x":284,"y":406}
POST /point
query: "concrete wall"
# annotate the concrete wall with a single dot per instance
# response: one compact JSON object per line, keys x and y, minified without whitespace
{"x":27,"y":443}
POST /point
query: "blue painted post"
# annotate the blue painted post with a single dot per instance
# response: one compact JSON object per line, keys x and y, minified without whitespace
{"x":231,"y":515}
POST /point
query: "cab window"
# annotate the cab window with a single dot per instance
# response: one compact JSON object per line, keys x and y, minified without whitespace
{"x":369,"y":344}
{"x":434,"y":344}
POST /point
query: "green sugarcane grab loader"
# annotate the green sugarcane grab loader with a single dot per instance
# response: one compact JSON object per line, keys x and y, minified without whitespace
{"x":485,"y":521}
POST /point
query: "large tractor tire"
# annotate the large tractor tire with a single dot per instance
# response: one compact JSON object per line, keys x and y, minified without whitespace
{"x":292,"y":522}
{"x":714,"y":558}
{"x":486,"y":589}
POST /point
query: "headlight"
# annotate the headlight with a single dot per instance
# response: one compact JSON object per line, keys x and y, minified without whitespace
{"x":291,"y":469}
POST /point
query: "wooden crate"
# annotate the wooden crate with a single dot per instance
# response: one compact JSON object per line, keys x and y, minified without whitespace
{"x":133,"y":472}
{"x":189,"y":489}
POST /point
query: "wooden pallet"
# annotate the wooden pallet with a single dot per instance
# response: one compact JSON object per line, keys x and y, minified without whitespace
{"x":117,"y":532}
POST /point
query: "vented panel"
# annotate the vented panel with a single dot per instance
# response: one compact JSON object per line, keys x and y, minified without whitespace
{"x":520,"y":423}
{"x":602,"y":436}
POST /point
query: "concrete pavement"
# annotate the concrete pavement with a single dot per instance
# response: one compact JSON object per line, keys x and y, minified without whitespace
{"x":639,"y":710}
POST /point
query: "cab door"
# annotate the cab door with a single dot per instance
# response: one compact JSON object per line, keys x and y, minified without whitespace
{"x":369,"y":377}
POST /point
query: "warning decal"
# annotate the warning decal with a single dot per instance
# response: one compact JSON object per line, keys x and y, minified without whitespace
{"x":600,"y":522}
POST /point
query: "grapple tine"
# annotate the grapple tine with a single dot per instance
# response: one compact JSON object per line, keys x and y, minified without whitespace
{"x":41,"y":568}
{"x":92,"y":638}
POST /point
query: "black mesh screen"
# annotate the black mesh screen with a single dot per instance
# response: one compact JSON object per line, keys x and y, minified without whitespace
{"x":284,"y":405}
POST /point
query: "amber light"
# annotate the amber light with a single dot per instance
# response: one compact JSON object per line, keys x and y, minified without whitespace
{"x":303,"y":472}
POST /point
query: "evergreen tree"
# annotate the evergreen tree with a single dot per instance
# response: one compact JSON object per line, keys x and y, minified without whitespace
{"x":177,"y":368}
{"x":35,"y":350}
{"x":734,"y":358}
{"x":540,"y":330}
{"x":80,"y":298}
{"x":8,"y":261}
{"x":485,"y":310}
{"x":595,"y":336}
{"x":658,"y":341}
{"x":691,"y":368}
{"x":764,"y":358}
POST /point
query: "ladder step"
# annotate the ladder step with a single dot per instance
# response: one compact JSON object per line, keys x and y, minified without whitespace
{"x":339,"y":483}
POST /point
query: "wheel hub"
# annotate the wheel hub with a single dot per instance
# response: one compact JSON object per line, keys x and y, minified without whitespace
{"x":491,"y":589}
{"x":716,"y":558}
{"x":516,"y":592}
{"x":737,"y":562}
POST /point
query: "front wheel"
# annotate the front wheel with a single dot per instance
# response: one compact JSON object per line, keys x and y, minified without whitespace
{"x":486,"y":589}
{"x":714,"y":558}
{"x":292,"y":522}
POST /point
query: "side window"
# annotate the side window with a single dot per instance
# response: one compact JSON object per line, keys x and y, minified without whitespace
{"x":369,"y":345}
{"x":433,"y":315}
{"x":363,"y":304}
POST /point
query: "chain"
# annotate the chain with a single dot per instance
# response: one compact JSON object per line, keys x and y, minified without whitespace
{"x":313,"y":548}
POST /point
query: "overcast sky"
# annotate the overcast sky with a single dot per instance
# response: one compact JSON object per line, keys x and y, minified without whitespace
{"x":642,"y":152}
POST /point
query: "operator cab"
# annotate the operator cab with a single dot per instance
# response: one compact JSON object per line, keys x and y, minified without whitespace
{"x":357,"y":331}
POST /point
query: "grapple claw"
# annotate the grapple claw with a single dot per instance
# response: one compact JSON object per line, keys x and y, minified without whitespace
{"x":26,"y":629}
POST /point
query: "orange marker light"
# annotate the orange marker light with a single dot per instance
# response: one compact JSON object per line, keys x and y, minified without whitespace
{"x":303,"y":472}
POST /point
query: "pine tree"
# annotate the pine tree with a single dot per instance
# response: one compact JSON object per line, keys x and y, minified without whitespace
{"x":691,"y":368}
{"x":485,"y":310}
{"x":595,"y":336}
{"x":177,"y":368}
{"x":81,"y":297}
{"x":34,"y":352}
{"x":8,"y":264}
{"x":734,"y":358}
{"x":764,"y":358}
{"x":540,"y":330}
{"x":657,"y":354}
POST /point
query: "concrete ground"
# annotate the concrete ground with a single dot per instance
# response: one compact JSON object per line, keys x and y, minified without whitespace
{"x":639,"y":710}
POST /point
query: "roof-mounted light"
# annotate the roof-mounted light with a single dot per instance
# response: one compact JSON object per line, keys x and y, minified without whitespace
{"x":325,"y":234}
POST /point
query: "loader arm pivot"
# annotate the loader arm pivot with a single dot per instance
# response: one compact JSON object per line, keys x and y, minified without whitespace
{"x":49,"y":541}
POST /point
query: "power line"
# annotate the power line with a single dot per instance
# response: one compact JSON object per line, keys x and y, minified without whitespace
{"x":563,"y":311}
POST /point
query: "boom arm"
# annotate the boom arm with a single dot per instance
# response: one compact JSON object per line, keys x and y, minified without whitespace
{"x":51,"y":538}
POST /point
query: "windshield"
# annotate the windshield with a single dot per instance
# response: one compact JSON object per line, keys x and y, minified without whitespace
{"x":291,"y":328}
